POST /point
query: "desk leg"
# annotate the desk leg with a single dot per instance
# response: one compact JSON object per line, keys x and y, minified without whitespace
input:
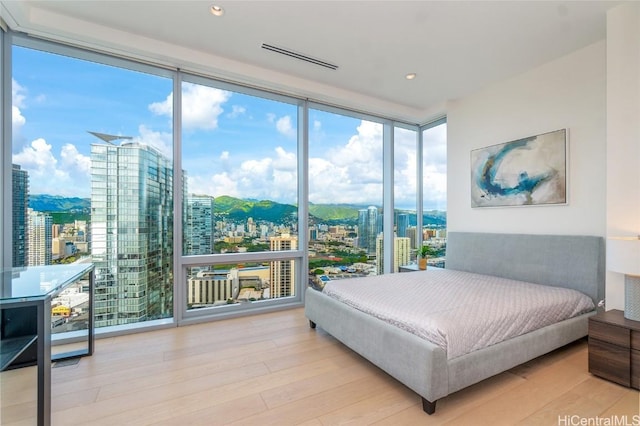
{"x":44,"y":362}
{"x":91,"y":302}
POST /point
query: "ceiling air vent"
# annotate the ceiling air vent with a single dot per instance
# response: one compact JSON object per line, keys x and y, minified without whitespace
{"x":299,"y":56}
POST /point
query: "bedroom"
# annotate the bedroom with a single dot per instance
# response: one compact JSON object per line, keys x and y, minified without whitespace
{"x":583,"y":92}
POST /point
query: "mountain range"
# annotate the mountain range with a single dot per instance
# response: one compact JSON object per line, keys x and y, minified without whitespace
{"x":235,"y":209}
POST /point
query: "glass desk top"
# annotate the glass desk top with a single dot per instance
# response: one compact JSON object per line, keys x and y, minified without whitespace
{"x":39,"y":281}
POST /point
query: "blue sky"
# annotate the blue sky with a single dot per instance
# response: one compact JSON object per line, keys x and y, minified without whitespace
{"x":233,"y":144}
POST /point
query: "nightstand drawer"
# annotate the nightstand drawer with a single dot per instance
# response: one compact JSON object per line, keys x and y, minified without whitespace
{"x":635,"y":369}
{"x":635,"y":340}
{"x":609,"y":361}
{"x":610,"y":333}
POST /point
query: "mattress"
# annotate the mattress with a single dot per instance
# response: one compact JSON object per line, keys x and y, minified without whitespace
{"x":459,"y":311}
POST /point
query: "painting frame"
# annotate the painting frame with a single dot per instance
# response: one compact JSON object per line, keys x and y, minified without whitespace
{"x":531,"y":171}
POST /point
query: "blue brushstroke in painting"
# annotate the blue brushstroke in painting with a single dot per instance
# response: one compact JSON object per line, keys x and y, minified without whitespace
{"x":526,"y":184}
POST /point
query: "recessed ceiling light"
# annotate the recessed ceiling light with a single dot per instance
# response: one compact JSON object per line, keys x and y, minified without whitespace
{"x":410,"y":76}
{"x":217,"y":10}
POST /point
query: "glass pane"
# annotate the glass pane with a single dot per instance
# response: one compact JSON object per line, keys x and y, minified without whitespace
{"x":434,"y":233}
{"x":345,"y":196}
{"x":93,"y":164}
{"x":239,"y":155}
{"x":239,"y":283}
{"x":405,"y":196}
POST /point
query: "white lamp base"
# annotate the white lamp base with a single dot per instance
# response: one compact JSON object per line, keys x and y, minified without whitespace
{"x":632,"y":297}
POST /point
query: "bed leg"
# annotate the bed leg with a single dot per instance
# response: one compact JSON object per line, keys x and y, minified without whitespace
{"x":312,"y":324}
{"x":428,"y":406}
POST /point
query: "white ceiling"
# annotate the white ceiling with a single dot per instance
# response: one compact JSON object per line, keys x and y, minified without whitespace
{"x":454,"y":47}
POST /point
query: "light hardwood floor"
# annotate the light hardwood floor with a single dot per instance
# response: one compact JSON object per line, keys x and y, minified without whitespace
{"x":272,"y":369}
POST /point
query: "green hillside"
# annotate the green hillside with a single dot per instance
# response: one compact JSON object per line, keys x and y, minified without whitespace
{"x":62,"y":209}
{"x":65,"y":210}
{"x":333,"y":212}
{"x":263,"y":210}
{"x":239,"y":209}
{"x":57,"y":203}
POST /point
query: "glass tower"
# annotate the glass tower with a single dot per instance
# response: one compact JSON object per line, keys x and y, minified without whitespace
{"x":20,"y":206}
{"x":132,"y":233}
{"x":402,"y":224}
{"x":198,"y":225}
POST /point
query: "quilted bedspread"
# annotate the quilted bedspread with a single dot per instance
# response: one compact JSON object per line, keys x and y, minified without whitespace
{"x":459,"y":311}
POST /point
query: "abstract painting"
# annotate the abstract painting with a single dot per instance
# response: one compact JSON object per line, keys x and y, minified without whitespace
{"x":529,"y":171}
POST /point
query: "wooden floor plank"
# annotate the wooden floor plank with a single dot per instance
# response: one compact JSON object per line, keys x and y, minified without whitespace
{"x":272,"y":369}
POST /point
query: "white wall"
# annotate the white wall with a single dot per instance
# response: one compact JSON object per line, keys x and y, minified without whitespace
{"x":623,"y":133}
{"x":567,"y":93}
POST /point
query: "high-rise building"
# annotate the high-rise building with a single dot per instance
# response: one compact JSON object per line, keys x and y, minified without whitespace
{"x":132,"y":233}
{"x":212,"y":287}
{"x":402,"y":223}
{"x":313,"y":233}
{"x":282,"y":272}
{"x":82,"y":234}
{"x":369,"y":226}
{"x":20,"y":206}
{"x":198,"y":225}
{"x":401,"y":253}
{"x":412,"y":234}
{"x":362,"y":228}
{"x":56,"y":230}
{"x":40,"y":239}
{"x":251,"y":226}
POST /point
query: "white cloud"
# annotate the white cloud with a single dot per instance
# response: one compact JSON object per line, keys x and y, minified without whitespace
{"x":435,"y":146}
{"x":435,"y":188}
{"x":405,"y":168}
{"x":350,"y":173}
{"x":236,"y":111}
{"x":162,"y":141}
{"x":17,"y":119}
{"x":285,"y":160}
{"x":68,"y":175}
{"x":70,"y":157}
{"x":201,"y":106}
{"x":255,"y":168}
{"x":226,"y":185}
{"x":285,"y":127}
{"x":18,"y":98}
{"x":163,"y":108}
{"x":361,"y":157}
{"x":17,"y":94}
{"x":272,"y":178}
{"x":435,"y":168}
{"x":68,"y":172}
{"x":37,"y":156}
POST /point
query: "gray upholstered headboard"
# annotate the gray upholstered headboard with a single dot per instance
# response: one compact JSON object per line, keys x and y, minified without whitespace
{"x":572,"y":261}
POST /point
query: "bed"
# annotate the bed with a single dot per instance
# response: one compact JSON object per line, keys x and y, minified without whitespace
{"x":564,"y":261}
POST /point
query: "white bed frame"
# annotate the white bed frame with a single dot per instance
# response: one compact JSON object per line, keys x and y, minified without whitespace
{"x":569,"y":261}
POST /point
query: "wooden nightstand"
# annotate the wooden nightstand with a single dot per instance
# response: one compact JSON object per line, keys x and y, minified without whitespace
{"x":614,"y":348}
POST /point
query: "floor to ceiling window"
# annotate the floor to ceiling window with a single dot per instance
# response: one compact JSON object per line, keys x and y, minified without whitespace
{"x":405,"y":192}
{"x":240,"y":195}
{"x":434,"y":184}
{"x":345,"y":196}
{"x":94,"y":179}
{"x":92,"y":175}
